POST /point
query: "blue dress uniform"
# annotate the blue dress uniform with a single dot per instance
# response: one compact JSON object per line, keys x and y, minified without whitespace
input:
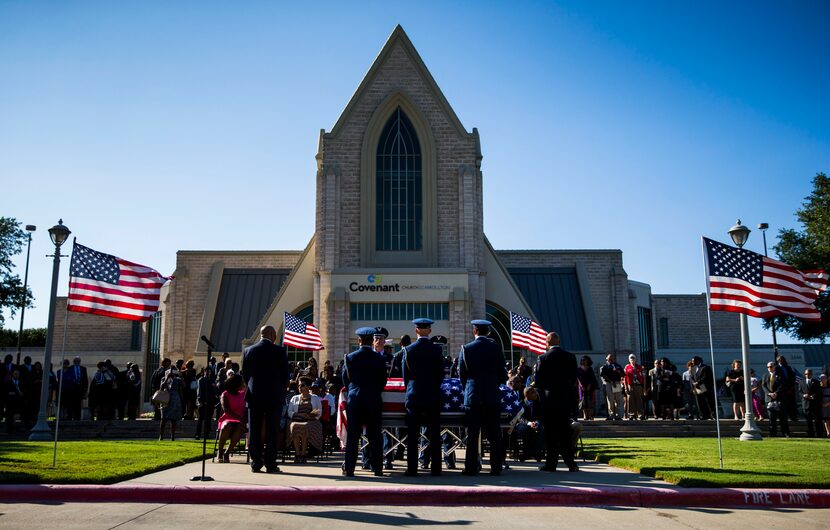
{"x":364,"y":376}
{"x":423,"y":373}
{"x":482,"y":371}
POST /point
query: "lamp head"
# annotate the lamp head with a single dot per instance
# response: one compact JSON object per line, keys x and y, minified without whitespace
{"x":739,"y":234}
{"x":763,"y":226}
{"x":59,"y":233}
{"x":31,"y":228}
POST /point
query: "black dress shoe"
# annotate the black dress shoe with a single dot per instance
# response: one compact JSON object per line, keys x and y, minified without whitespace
{"x":573,"y":468}
{"x":273,"y":470}
{"x":256,"y":469}
{"x":547,"y":468}
{"x":388,"y":465}
{"x":450,"y":466}
{"x":435,"y":473}
{"x":379,"y":473}
{"x":348,"y":473}
{"x":495,"y":473}
{"x":469,"y":472}
{"x":410,"y":473}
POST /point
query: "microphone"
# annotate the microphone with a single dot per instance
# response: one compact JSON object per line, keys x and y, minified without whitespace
{"x":209,"y":344}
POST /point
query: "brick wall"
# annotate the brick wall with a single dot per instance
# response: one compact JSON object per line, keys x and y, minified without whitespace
{"x":185,"y":304}
{"x":607,"y":282}
{"x":687,"y":322}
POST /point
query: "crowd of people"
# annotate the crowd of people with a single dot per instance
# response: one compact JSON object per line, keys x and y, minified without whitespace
{"x":110,"y":393}
{"x":308,"y":394}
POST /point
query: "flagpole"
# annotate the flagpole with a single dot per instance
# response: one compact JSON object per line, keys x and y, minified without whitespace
{"x":712,"y":351}
{"x":60,"y":391}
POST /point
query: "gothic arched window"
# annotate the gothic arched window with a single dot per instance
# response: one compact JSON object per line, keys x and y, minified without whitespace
{"x":398,"y":198}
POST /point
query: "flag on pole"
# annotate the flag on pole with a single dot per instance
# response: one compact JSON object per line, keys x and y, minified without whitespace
{"x":743,"y":281}
{"x":103,"y":284}
{"x":342,"y":421}
{"x":525,"y":333}
{"x":301,"y":334}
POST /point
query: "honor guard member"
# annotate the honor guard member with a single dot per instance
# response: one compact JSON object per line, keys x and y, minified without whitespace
{"x":422,"y":373}
{"x":379,"y":345}
{"x":482,"y":370}
{"x":364,"y":376}
{"x":556,"y":383}
{"x":397,"y":360}
{"x":449,"y":456}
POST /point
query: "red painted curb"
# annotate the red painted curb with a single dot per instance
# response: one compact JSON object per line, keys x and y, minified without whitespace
{"x":419,"y":496}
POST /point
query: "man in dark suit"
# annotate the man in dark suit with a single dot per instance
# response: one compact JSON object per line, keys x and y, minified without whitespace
{"x":703,"y":387}
{"x":810,"y":390}
{"x":556,"y":382}
{"x":265,"y":372}
{"x":482,"y":371}
{"x":423,"y":371}
{"x":773,"y":384}
{"x":78,"y":390}
{"x":788,"y":389}
{"x":364,"y":376}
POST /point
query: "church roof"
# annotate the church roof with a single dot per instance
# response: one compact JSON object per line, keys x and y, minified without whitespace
{"x":399,"y":38}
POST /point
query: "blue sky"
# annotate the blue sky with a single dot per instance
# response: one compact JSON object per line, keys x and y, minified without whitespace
{"x":151,"y":127}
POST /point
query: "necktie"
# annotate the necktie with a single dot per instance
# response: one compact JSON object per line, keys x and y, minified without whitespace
{"x":77,"y":373}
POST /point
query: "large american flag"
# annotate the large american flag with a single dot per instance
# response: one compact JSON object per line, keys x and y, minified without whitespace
{"x":103,"y":284}
{"x":745,"y":282}
{"x":525,"y":333}
{"x":301,"y":334}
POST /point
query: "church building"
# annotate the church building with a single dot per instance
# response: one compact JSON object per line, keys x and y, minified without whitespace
{"x":399,"y":235}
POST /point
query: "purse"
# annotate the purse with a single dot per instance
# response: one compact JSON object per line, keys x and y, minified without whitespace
{"x":161,"y":398}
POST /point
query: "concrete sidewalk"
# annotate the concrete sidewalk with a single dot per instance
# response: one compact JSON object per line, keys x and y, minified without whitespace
{"x":327,"y":474}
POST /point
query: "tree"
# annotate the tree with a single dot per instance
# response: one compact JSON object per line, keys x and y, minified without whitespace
{"x":809,"y":249}
{"x":31,"y":337}
{"x":12,"y":293}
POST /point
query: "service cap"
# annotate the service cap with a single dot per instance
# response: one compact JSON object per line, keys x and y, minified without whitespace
{"x":365,"y":331}
{"x":423,"y":322}
{"x":380,"y":332}
{"x":479,"y":323}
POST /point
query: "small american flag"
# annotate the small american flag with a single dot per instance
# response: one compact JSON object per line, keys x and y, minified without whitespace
{"x":301,"y":334}
{"x":526,"y":333}
{"x":102,"y":284}
{"x":745,"y":282}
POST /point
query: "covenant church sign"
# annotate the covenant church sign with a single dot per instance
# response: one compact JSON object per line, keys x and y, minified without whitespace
{"x":401,"y":287}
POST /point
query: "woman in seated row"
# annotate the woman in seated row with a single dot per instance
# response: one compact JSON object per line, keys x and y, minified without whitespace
{"x":232,"y":423}
{"x":304,"y":411}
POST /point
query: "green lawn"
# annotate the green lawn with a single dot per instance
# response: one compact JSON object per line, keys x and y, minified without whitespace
{"x":92,"y":462}
{"x":693,"y":462}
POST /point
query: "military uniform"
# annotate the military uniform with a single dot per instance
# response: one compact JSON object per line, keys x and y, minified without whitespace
{"x":422,"y":373}
{"x":364,"y":376}
{"x":482,"y":371}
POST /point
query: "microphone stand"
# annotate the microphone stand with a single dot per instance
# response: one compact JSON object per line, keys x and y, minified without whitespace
{"x":206,"y":423}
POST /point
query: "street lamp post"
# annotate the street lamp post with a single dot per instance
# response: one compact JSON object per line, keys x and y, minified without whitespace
{"x":750,"y":431}
{"x":763,"y":228}
{"x":24,"y":301}
{"x":41,"y":432}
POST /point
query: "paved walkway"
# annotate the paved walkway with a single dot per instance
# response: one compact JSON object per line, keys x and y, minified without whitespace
{"x":327,"y":474}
